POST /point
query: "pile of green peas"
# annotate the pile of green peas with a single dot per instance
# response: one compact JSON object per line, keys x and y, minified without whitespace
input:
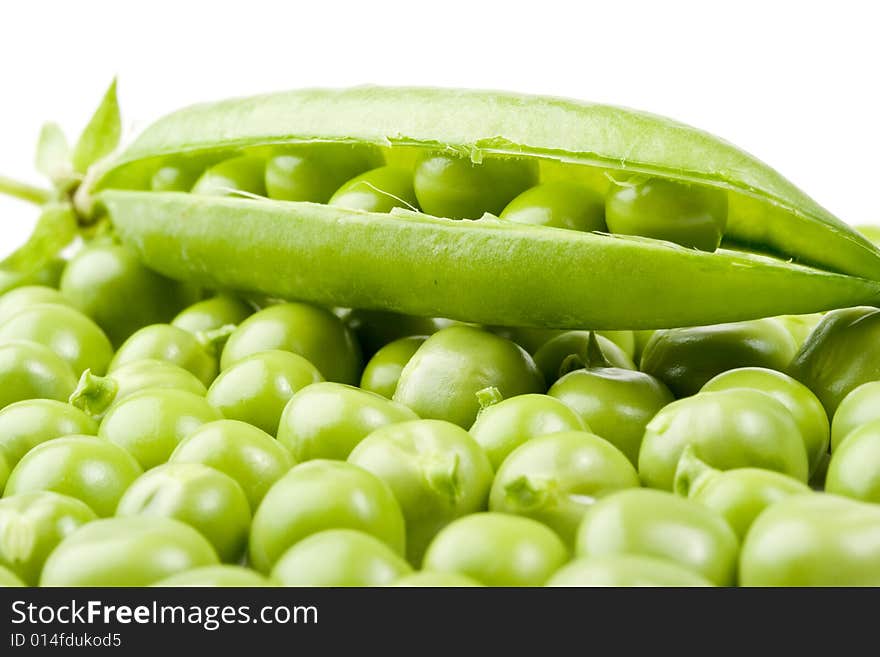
{"x":153,"y":433}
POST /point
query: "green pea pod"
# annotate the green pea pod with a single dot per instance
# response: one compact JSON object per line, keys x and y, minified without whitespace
{"x":485,"y":270}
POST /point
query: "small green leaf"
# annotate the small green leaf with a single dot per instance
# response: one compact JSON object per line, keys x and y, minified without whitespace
{"x":53,"y":153}
{"x":101,"y":135}
{"x":55,"y":229}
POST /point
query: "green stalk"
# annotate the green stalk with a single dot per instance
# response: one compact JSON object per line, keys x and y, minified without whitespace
{"x":24,"y":191}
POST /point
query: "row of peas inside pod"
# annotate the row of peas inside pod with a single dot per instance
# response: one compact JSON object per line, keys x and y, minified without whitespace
{"x":693,"y":456}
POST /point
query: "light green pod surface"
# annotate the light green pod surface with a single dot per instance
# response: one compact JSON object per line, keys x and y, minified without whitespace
{"x":625,"y":570}
{"x":392,"y":259}
{"x":813,"y":540}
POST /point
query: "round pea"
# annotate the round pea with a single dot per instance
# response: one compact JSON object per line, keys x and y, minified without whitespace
{"x":571,"y":351}
{"x":329,"y":495}
{"x":204,"y":498}
{"x":860,"y":407}
{"x":28,"y":423}
{"x":615,"y":403}
{"x":496,"y":549}
{"x":455,"y":187}
{"x":560,"y":204}
{"x":433,"y":579}
{"x":212,"y":314}
{"x":625,"y":570}
{"x":504,"y":425}
{"x":33,"y":371}
{"x":658,"y":524}
{"x":32,"y":525}
{"x":132,"y":551}
{"x":854,"y":469}
{"x":804,"y":406}
{"x":686,"y":359}
{"x":151,"y":423}
{"x":738,"y":495}
{"x":736,"y":428}
{"x":383,"y":370}
{"x":170,"y":178}
{"x":108,"y":283}
{"x":436,"y":471}
{"x":327,"y":420}
{"x":66,"y":331}
{"x":84,"y":467}
{"x":313,"y":172}
{"x":24,"y":297}
{"x":554,"y":479}
{"x":377,"y":190}
{"x":311,"y":332}
{"x":48,"y":275}
{"x":172,"y":345}
{"x":225,"y":575}
{"x":237,"y":174}
{"x":247,"y":454}
{"x":800,"y":326}
{"x":694,"y":216}
{"x":340,"y":557}
{"x":464,"y":360}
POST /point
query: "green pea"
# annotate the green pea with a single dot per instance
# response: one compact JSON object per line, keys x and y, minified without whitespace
{"x":466,"y":360}
{"x":840,"y":354}
{"x":737,"y":428}
{"x":32,"y":525}
{"x":626,"y":340}
{"x":66,"y":331}
{"x":85,"y":467}
{"x":340,"y":557}
{"x":813,"y":540}
{"x":204,"y":498}
{"x":860,"y":407}
{"x":22,"y":298}
{"x":32,"y":371}
{"x":247,"y":454}
{"x":28,"y":423}
{"x":151,"y":423}
{"x":804,"y":406}
{"x":615,"y":403}
{"x":238,"y":174}
{"x":377,"y":190}
{"x":502,"y":425}
{"x":800,"y":326}
{"x":329,"y":495}
{"x":383,"y":370}
{"x":496,"y":549}
{"x":569,"y":351}
{"x":225,"y":575}
{"x":655,"y":523}
{"x":554,"y":479}
{"x":133,"y":551}
{"x":738,"y":495}
{"x":170,"y":344}
{"x":170,"y":178}
{"x":47,"y":275}
{"x":854,"y":469}
{"x":108,"y":283}
{"x":95,"y":394}
{"x":212,"y":314}
{"x":376,"y":328}
{"x":314,"y":172}
{"x":641,"y":340}
{"x":454,"y":187}
{"x":8,"y":579}
{"x":436,"y":471}
{"x":328,"y":420}
{"x":625,"y":570}
{"x":694,"y":216}
{"x":685,"y":359}
{"x":560,"y":204}
{"x":257,"y":388}
{"x":311,"y":332}
{"x":434,"y":580}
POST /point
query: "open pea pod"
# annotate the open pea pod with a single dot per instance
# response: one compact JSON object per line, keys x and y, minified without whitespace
{"x":486,"y":270}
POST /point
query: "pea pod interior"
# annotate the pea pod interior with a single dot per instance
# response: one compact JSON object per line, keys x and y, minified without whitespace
{"x":484,"y":270}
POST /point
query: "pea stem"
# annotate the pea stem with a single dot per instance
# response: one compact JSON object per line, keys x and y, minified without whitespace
{"x":24,"y":191}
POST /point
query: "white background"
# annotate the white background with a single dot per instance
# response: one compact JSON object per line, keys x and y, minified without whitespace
{"x":795,"y":83}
